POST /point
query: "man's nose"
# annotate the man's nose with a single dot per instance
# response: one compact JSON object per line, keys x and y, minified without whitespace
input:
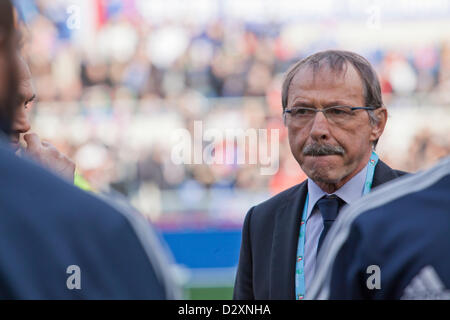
{"x":21,"y":122}
{"x":320,"y":127}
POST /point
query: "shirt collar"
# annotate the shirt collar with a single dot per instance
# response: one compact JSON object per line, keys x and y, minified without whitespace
{"x":349,"y":192}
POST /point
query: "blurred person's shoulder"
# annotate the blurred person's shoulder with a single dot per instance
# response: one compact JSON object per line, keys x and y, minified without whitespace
{"x":25,"y":184}
{"x":42,"y":213}
{"x":35,"y":195}
{"x":406,"y":199}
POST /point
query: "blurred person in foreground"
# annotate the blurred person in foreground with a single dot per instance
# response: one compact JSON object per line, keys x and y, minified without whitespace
{"x":57,"y":241}
{"x":334,"y":113}
{"x":393,"y":244}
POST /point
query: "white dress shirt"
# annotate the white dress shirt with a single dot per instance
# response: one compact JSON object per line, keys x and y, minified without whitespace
{"x":349,"y":192}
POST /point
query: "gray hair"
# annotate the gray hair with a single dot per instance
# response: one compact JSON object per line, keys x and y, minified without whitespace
{"x":337,"y":61}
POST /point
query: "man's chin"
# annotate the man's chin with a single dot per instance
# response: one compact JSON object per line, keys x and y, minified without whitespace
{"x":325,"y":179}
{"x":322,"y":163}
{"x":323,"y":176}
{"x":323,"y":168}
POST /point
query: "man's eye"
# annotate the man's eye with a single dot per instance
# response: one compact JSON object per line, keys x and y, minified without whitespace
{"x":300,"y":112}
{"x":28,"y":105}
{"x":339,"y":111}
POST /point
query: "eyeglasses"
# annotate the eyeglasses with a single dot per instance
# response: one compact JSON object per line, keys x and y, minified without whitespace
{"x":337,"y":115}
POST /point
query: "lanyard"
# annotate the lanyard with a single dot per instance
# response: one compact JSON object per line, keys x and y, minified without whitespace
{"x":300,"y":263}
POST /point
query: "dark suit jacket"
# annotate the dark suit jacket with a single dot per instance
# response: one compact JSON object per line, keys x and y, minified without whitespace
{"x":266,"y":267}
{"x":47,"y":225}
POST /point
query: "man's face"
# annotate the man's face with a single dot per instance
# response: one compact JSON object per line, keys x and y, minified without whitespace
{"x":21,"y":123}
{"x":355,"y":137}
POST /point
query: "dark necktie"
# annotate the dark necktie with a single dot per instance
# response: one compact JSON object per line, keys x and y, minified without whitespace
{"x":329,"y":208}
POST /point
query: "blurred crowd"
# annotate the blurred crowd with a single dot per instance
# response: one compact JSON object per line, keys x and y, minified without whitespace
{"x":111,"y":98}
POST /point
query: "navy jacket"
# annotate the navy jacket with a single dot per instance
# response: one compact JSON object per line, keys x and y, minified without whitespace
{"x":48,"y":225}
{"x":403,"y":229}
{"x":266,"y":267}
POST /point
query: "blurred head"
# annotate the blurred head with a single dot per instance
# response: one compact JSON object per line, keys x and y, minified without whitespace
{"x":329,"y":153}
{"x":8,"y":47}
{"x":25,"y":97}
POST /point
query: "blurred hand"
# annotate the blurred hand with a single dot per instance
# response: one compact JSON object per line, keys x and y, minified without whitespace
{"x":47,"y":155}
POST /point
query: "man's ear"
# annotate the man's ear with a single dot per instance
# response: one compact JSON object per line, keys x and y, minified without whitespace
{"x":378,"y":127}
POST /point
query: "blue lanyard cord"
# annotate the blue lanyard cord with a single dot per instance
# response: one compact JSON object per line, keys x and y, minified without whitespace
{"x":300,"y":261}
{"x":370,"y":172}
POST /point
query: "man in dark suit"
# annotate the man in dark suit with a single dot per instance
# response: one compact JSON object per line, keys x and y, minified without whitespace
{"x":333,"y":110}
{"x":59,"y":242}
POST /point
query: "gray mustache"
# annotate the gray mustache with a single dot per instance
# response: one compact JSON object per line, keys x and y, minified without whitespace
{"x":316,"y":149}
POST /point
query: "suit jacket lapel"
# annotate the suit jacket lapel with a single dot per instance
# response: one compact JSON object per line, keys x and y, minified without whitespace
{"x":383,"y":173}
{"x":284,"y":245}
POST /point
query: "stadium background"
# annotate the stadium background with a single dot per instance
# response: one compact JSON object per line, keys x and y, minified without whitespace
{"x":115,"y":79}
